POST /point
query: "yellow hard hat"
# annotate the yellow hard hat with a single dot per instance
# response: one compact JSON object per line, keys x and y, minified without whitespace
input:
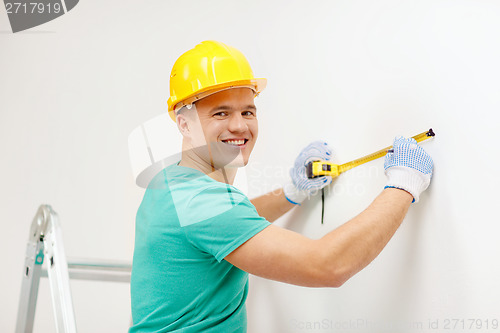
{"x":206,"y":69}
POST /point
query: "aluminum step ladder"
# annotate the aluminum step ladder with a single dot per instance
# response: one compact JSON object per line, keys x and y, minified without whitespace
{"x":45,"y":257}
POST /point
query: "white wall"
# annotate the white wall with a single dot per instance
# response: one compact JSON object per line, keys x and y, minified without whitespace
{"x":353,"y":73}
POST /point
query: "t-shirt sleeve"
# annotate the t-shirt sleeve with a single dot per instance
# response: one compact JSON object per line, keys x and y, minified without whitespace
{"x":222,"y":219}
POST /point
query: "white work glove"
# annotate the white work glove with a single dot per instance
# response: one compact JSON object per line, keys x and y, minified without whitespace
{"x":300,"y":187}
{"x":409,"y":167}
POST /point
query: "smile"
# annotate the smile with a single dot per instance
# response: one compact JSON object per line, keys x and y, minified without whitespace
{"x":236,"y":142}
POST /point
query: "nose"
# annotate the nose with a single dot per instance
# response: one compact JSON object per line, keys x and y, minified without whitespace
{"x":237,"y":123}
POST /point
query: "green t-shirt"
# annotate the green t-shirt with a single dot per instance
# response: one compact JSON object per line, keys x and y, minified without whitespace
{"x":186,"y":225}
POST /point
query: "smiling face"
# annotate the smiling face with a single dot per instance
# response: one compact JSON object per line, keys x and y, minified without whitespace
{"x":223,"y":131}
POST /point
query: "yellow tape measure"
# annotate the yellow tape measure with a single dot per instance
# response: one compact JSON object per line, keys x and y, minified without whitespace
{"x":325,"y":168}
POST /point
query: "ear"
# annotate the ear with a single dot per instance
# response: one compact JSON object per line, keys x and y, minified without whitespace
{"x":183,"y":124}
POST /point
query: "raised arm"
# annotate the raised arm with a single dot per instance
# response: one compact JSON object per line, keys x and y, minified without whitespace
{"x":286,"y":256}
{"x":279,"y":254}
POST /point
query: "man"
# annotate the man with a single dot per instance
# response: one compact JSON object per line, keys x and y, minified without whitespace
{"x":198,"y":237}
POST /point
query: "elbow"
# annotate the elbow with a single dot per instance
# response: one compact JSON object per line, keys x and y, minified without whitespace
{"x":331,"y":270}
{"x":336,"y":269}
{"x":333,"y":275}
{"x":335,"y":279}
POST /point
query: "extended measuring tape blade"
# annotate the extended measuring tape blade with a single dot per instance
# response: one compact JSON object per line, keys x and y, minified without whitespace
{"x":325,"y":168}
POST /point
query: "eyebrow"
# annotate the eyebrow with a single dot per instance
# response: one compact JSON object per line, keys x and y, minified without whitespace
{"x":228,"y":108}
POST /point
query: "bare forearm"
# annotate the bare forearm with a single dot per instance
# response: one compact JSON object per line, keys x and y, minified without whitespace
{"x":272,"y":205}
{"x":352,"y":246}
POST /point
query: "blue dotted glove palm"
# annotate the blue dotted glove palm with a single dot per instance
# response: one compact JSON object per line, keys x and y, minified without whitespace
{"x":408,"y":167}
{"x":300,"y":187}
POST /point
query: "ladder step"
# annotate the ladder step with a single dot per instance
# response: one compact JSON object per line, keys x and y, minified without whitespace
{"x":97,"y":270}
{"x":114,"y":265}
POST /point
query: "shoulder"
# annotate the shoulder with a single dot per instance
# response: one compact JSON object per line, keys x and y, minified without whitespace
{"x":197,"y":197}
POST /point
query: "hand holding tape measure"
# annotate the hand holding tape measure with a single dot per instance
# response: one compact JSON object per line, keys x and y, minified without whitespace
{"x":325,"y":168}
{"x":407,"y":166}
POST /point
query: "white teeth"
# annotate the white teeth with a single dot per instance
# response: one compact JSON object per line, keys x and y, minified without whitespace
{"x":235,"y":142}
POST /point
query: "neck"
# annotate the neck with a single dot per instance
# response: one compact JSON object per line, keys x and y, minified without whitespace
{"x":191,"y":160}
